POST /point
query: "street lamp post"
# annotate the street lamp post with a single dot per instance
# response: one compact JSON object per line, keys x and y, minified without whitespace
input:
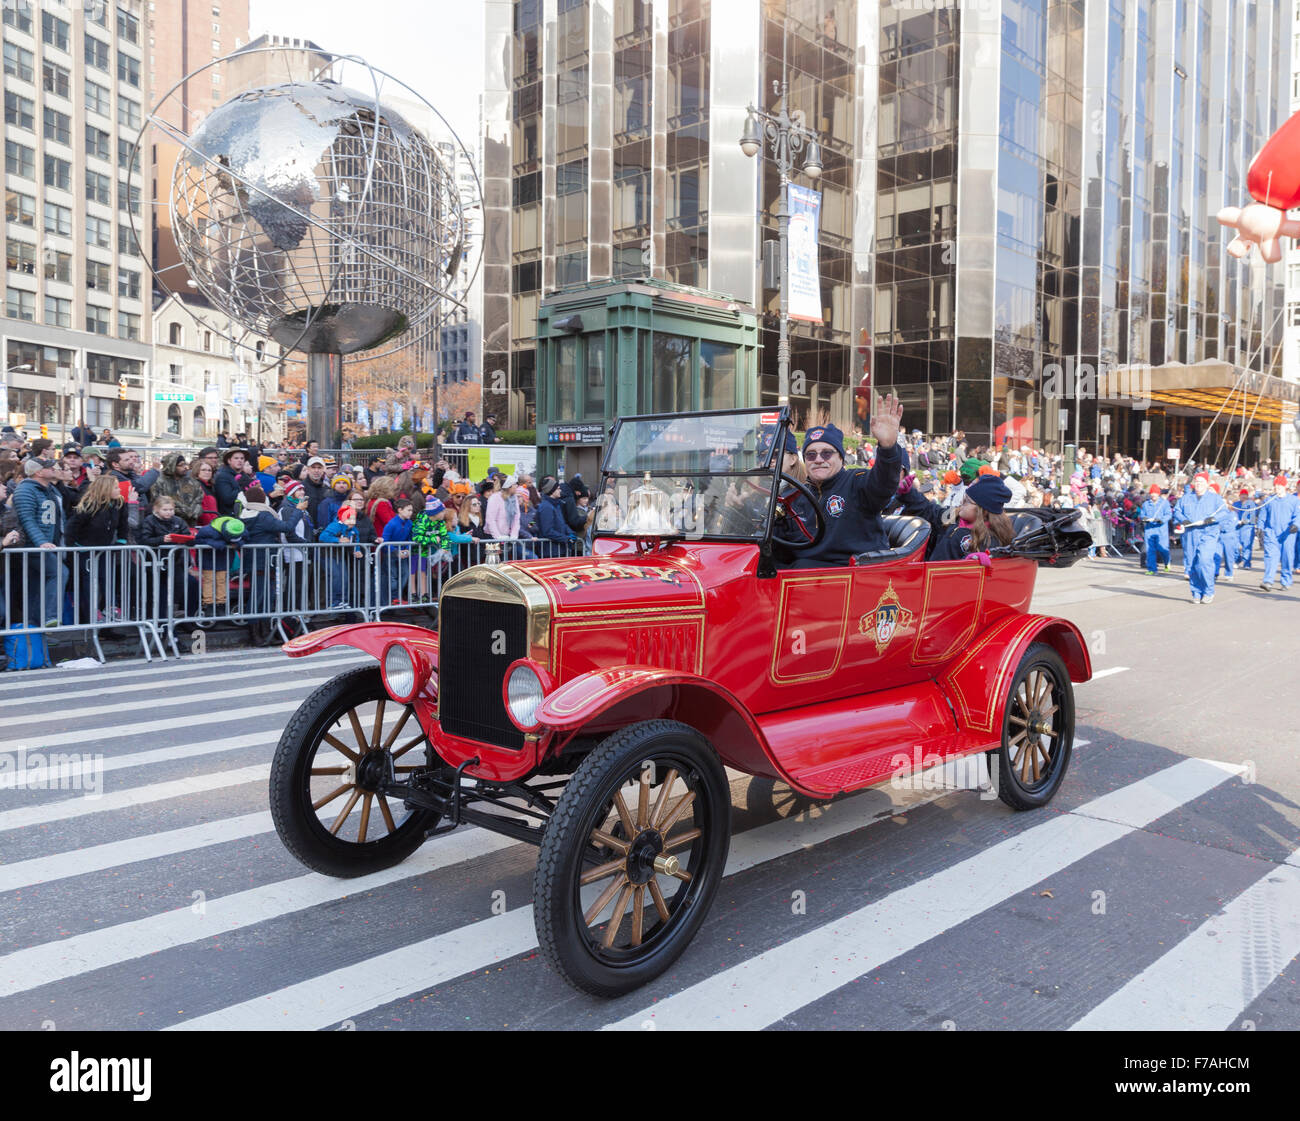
{"x":4,"y":390}
{"x":786,"y":137}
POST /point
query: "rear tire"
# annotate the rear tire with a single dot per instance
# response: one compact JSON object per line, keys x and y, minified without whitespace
{"x":351,"y":709}
{"x":1037,"y":731}
{"x":621,"y":841}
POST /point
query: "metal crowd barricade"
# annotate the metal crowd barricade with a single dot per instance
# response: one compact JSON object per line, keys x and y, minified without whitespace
{"x":88,"y":589}
{"x":267,"y":584}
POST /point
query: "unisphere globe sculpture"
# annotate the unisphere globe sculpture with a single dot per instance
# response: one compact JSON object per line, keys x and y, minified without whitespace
{"x":317,"y":216}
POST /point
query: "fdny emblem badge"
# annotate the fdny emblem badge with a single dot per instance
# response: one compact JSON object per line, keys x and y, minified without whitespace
{"x":812,"y":435}
{"x":886,"y":620}
{"x":835,"y":505}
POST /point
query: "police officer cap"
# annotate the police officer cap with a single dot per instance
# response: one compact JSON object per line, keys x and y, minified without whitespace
{"x":825,"y":435}
{"x":990,"y":493}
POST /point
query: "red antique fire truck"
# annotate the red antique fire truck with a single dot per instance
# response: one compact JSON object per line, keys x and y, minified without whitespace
{"x":591,"y":704}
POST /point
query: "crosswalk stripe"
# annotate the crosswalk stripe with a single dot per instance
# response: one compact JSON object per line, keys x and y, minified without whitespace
{"x":149,"y":935}
{"x":352,"y":990}
{"x":144,"y":728}
{"x":97,"y":949}
{"x":183,"y":695}
{"x":26,"y":817}
{"x":57,"y":773}
{"x":762,"y":990}
{"x":191,"y":685}
{"x":1107,"y":672}
{"x":114,"y":671}
{"x":114,"y":854}
{"x":1233,"y":957}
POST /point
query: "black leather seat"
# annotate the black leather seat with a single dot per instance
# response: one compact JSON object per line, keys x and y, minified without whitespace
{"x":906,"y":534}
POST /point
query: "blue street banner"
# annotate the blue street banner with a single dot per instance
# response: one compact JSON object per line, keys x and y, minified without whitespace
{"x":801,"y":254}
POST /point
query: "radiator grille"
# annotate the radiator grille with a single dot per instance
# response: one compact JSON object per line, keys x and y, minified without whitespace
{"x":477,"y":640}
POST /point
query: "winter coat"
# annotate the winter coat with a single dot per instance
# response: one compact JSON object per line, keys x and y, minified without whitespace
{"x":337,"y":532}
{"x":329,"y":509}
{"x":40,"y":513}
{"x":106,"y":526}
{"x":261,"y":526}
{"x":227,"y":485}
{"x":380,"y":512}
{"x":316,"y":494}
{"x":467,"y":433}
{"x":550,"y":520}
{"x":502,"y":517}
{"x":155,"y":530}
{"x":186,"y":492}
{"x":398,"y":529}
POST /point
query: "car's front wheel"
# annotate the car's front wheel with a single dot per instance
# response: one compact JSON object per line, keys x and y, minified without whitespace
{"x":632,"y":857}
{"x":346,"y":739}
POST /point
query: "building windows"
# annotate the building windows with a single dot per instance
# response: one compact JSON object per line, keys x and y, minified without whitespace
{"x":58,"y":126}
{"x":19,"y":62}
{"x":58,"y":173}
{"x":174,"y":418}
{"x":128,"y":70}
{"x":99,"y":99}
{"x":96,"y":12}
{"x":128,"y":284}
{"x":128,"y":26}
{"x":20,"y":112}
{"x":174,"y":336}
{"x":126,"y":239}
{"x":58,"y":266}
{"x":128,"y":113}
{"x":207,"y":340}
{"x":98,"y":143}
{"x":1293,"y":315}
{"x":124,"y":149}
{"x":20,"y":256}
{"x":99,"y":276}
{"x":20,"y":160}
{"x":54,"y":31}
{"x":128,"y":197}
{"x":97,"y":319}
{"x":99,"y":188}
{"x":56,"y":79}
{"x":58,"y":219}
{"x":128,"y":325}
{"x":99,"y":232}
{"x":174,"y":372}
{"x":20,"y":209}
{"x":18,"y":15}
{"x":58,"y":312}
{"x":20,"y":304}
{"x":97,"y":53}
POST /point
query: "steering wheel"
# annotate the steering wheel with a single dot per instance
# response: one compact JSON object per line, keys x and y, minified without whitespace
{"x":786,"y":501}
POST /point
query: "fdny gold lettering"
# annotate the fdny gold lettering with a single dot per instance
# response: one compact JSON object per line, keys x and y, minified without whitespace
{"x":580,"y":577}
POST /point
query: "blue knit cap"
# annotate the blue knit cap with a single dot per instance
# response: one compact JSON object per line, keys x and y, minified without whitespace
{"x":828,"y":435}
{"x":989,"y":492}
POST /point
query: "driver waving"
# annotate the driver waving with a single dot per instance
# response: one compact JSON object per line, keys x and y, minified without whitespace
{"x":850,"y":502}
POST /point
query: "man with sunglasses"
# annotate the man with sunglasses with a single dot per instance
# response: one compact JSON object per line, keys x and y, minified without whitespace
{"x":851,"y":501}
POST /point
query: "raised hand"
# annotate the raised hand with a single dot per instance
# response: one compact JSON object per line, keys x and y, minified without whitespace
{"x":886,"y":419}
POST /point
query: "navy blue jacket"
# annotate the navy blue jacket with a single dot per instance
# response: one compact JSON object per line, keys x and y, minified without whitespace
{"x":851,"y":503}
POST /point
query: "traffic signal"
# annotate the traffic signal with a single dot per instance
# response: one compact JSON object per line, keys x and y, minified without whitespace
{"x":121,"y":389}
{"x":45,"y":431}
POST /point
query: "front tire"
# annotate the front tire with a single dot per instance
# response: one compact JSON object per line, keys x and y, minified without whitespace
{"x":643,"y":825}
{"x":1037,"y":731}
{"x":323,"y":786}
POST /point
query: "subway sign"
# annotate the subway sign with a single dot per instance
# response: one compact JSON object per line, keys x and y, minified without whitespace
{"x":575,"y":433}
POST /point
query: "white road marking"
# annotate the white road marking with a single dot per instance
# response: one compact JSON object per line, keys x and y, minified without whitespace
{"x":1208,"y":978}
{"x":182,"y":696}
{"x":775,"y":984}
{"x":1106,"y":673}
{"x":83,"y":736}
{"x":26,"y":817}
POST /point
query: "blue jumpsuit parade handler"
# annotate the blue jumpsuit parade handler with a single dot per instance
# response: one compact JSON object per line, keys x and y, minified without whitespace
{"x":850,"y":501}
{"x":979,"y":520}
{"x":1198,"y":513}
{"x":1225,"y":554}
{"x":1247,"y":511}
{"x":1278,"y":517}
{"x":1156,"y":515}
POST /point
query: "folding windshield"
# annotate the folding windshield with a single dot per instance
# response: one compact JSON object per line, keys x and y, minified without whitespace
{"x":703,"y":475}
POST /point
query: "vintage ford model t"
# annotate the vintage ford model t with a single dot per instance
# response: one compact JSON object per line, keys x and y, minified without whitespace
{"x":590,"y":704}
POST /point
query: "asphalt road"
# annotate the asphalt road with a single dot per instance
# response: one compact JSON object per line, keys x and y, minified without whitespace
{"x":1160,"y":889}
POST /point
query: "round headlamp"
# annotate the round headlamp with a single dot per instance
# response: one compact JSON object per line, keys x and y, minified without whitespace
{"x":524,"y":695}
{"x":399,"y":672}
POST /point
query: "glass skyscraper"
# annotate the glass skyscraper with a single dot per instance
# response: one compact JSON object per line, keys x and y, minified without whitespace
{"x":1018,"y":205}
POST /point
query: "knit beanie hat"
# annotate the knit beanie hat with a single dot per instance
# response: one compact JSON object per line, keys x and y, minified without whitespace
{"x":990,"y":493}
{"x":827,"y":435}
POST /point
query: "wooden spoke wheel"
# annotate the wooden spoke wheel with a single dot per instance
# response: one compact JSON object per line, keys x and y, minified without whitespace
{"x":1037,"y":731}
{"x":346,"y":739}
{"x":632,"y":857}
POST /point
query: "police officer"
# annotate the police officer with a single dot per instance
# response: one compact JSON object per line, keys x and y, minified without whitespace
{"x":850,"y":501}
{"x":1247,"y":512}
{"x":1278,"y":516}
{"x":1198,"y":513}
{"x":1156,"y":515}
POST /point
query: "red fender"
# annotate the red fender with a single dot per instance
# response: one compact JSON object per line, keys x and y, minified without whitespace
{"x":369,"y":637}
{"x":621,"y":695}
{"x":1274,"y":175}
{"x":978,"y":681}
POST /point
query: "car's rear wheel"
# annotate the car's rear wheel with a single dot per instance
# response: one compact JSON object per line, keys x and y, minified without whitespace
{"x":632,"y":857}
{"x":1037,"y":731}
{"x":344,"y":740}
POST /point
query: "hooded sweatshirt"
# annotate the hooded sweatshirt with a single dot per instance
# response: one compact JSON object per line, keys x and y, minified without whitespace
{"x":186,"y":492}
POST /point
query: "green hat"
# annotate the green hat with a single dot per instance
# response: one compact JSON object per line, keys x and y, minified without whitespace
{"x":970,"y":469}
